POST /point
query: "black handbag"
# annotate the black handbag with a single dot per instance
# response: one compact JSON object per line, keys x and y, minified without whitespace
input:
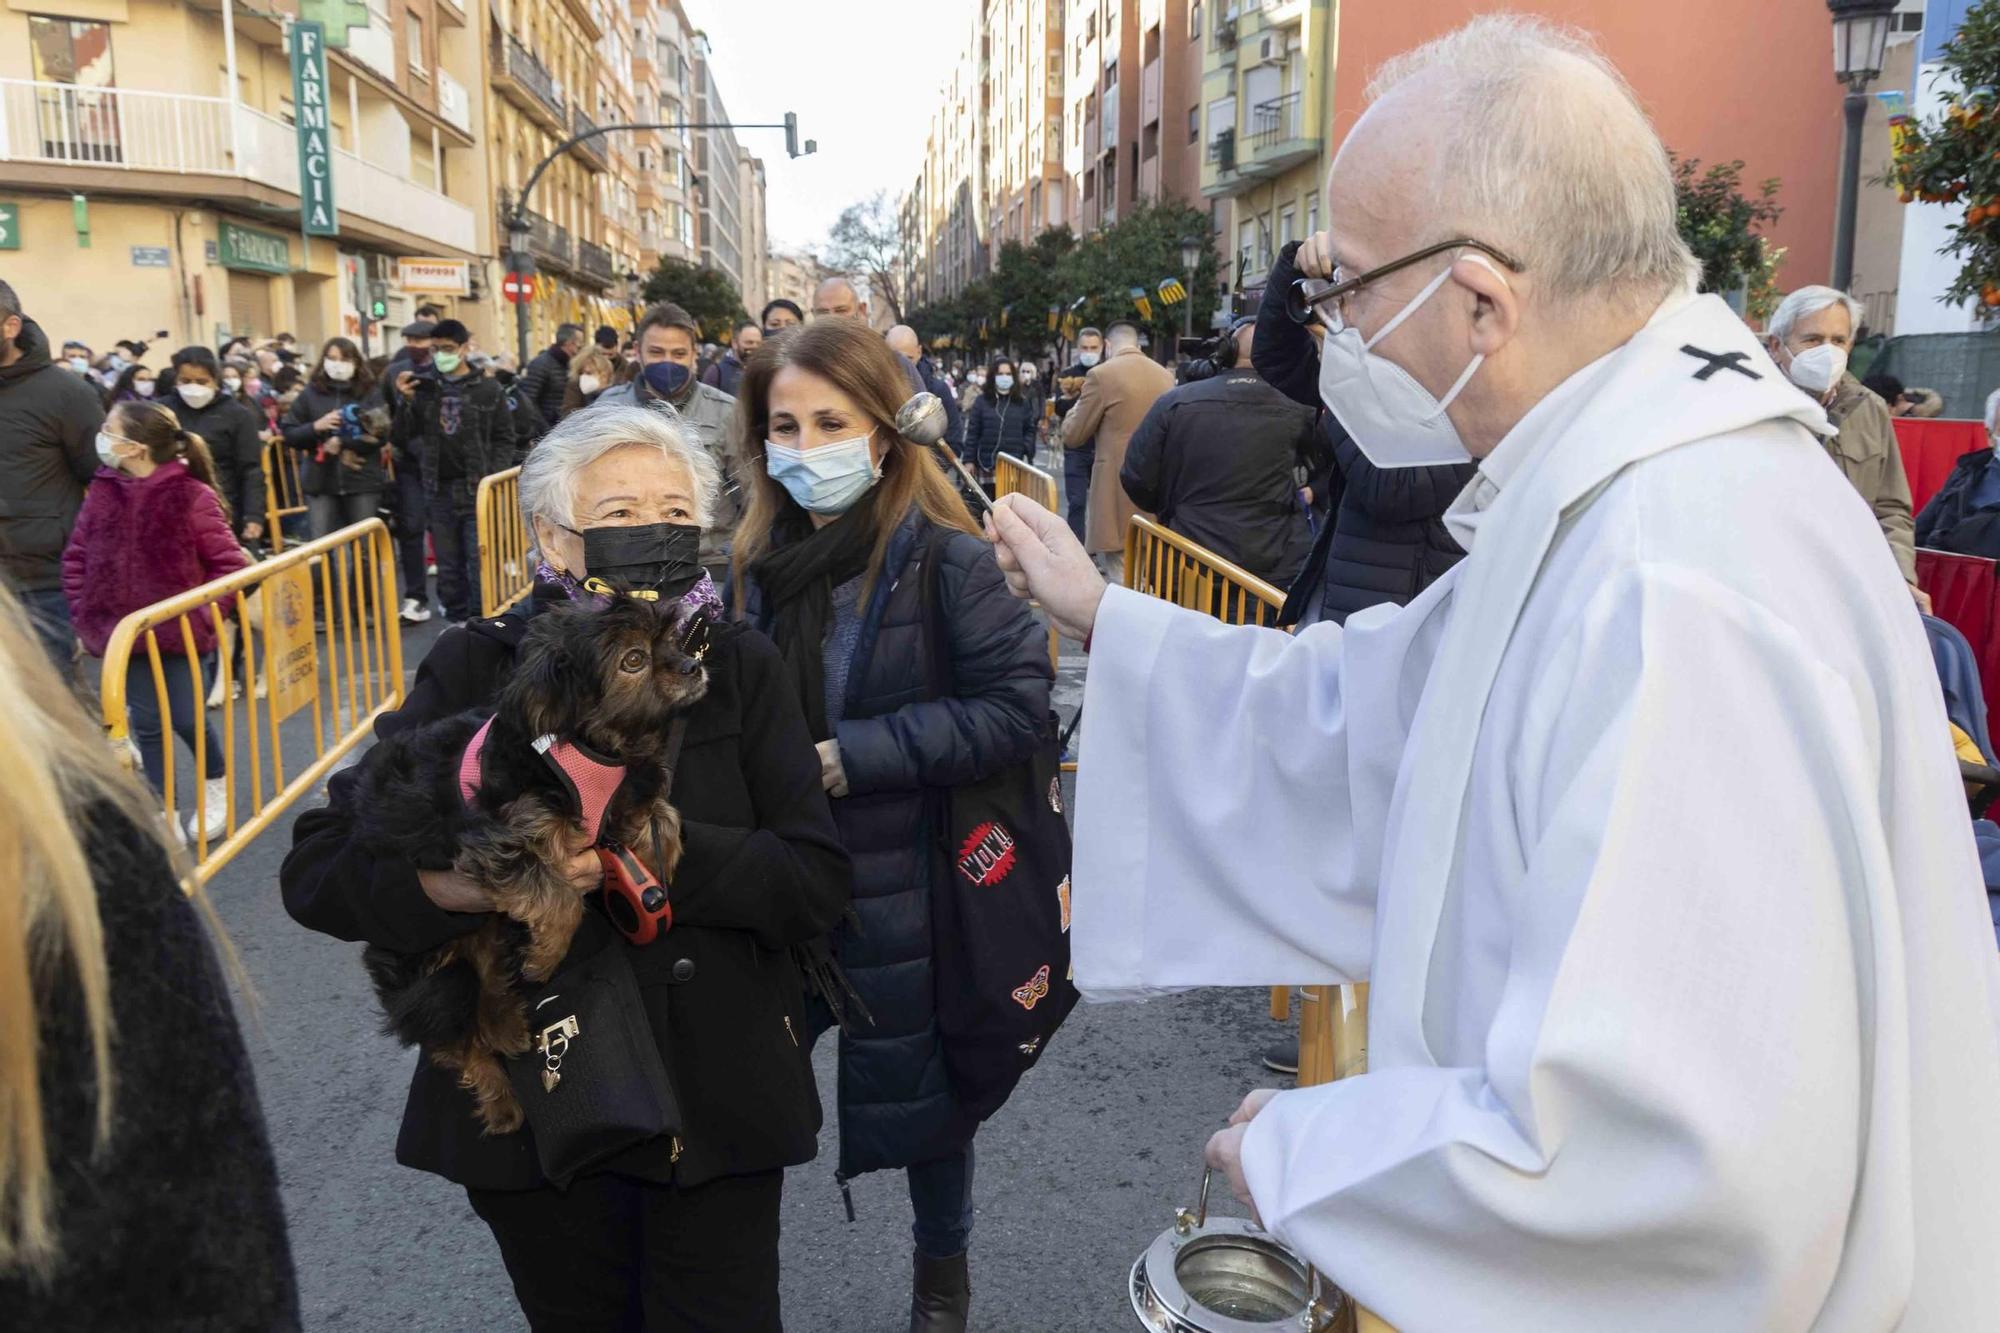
{"x":593,"y":1083}
{"x":1000,"y":920}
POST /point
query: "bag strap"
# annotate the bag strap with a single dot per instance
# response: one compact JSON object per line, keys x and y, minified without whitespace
{"x":676,"y":733}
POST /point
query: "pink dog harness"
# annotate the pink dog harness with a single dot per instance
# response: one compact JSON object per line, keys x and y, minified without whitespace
{"x":591,"y":780}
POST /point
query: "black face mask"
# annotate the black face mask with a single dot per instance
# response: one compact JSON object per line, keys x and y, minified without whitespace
{"x":649,"y":560}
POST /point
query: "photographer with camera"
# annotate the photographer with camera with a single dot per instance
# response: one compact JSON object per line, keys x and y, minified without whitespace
{"x":1217,"y":459}
{"x":330,"y":422}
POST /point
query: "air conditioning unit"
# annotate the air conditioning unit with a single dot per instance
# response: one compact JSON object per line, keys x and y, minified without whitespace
{"x":1270,"y":49}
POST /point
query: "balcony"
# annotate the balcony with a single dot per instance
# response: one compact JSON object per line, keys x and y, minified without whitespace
{"x":1225,"y":32}
{"x":176,"y":134}
{"x":593,"y":153}
{"x":527,"y":83}
{"x":595,"y":264}
{"x":1222,"y":151}
{"x":1278,"y":136}
{"x":547,"y":242}
{"x":454,"y":102}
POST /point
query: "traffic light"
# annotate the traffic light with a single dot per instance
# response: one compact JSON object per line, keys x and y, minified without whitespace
{"x":378,"y":300}
{"x":791,"y":134}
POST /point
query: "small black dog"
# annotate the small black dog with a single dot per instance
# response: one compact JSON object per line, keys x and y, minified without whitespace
{"x":607,"y":682}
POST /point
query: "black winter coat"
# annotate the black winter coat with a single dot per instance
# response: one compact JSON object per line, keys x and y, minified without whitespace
{"x":1964,"y":516}
{"x":48,"y":454}
{"x":1000,"y":426}
{"x":954,"y":432}
{"x":898,"y":746}
{"x":543,"y":382}
{"x":1387,"y":541}
{"x":762,"y":870}
{"x":485,"y":442}
{"x":360,"y":471}
{"x":177,"y":1223}
{"x":234,"y":433}
{"x":1217,"y":460}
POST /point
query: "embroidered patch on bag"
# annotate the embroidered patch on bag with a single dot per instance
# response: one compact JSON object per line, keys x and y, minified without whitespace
{"x":1062,"y":896}
{"x":1055,"y":793}
{"x":1030,"y":1046}
{"x":987,"y":856}
{"x":1036,"y":989}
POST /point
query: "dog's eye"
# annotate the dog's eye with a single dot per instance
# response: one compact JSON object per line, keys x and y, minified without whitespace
{"x":635,"y":659}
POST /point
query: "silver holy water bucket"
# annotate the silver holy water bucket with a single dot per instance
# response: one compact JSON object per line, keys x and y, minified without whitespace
{"x":1229,"y":1276}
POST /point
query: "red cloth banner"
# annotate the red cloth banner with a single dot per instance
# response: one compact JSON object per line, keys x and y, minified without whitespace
{"x":1931,"y":449}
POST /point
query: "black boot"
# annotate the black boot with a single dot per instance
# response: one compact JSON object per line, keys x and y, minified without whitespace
{"x":941,"y":1295}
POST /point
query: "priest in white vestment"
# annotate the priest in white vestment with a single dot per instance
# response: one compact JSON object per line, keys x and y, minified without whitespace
{"x":1643,"y":822}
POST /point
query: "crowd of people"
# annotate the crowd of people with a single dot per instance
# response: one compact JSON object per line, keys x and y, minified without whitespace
{"x":1639,"y":817}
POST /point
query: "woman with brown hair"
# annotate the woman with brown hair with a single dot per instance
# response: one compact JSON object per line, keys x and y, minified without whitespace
{"x":591,"y":372}
{"x":847,"y":525}
{"x":137,"y":1189}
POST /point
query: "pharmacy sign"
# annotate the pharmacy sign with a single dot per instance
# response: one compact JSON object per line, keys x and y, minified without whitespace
{"x":316,"y":208}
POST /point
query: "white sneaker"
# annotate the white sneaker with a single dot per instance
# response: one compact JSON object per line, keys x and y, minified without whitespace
{"x":217,"y":800}
{"x":415,"y":612}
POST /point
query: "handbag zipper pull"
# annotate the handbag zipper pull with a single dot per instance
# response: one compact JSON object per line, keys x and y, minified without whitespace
{"x":788,"y":1030}
{"x":846,"y":1195}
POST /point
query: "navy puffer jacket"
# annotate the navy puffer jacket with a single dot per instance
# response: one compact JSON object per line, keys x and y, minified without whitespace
{"x":899,"y":747}
{"x":1387,"y":541}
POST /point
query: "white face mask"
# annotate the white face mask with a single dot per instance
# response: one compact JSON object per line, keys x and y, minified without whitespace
{"x":144,"y":388}
{"x":588,"y":384}
{"x":232,"y":385}
{"x":107,"y":449}
{"x":1818,"y":369}
{"x":1393,"y":419}
{"x":196,"y":396}
{"x":1088,"y":358}
{"x":340,"y":372}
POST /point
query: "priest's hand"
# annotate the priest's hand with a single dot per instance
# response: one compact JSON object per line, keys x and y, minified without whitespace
{"x":1225,"y":1148}
{"x":1043,"y":560}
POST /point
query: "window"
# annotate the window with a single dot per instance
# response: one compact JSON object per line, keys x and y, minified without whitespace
{"x":1194,"y":21}
{"x":1288,"y":219}
{"x":80,"y":126}
{"x":1312,"y":213}
{"x":413,"y":37}
{"x":1152,"y":45}
{"x":1246,"y":245}
{"x":1111,"y":179}
{"x":1110,"y":75}
{"x":1194,"y":123}
{"x":1151,"y":138}
{"x":1089,"y":186}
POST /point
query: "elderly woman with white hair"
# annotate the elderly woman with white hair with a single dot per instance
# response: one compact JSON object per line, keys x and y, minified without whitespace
{"x":681,"y":1231}
{"x":1809,"y":337}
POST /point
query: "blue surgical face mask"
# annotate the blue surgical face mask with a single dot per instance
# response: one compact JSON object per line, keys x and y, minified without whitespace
{"x":826,"y":480}
{"x":1003,"y":383}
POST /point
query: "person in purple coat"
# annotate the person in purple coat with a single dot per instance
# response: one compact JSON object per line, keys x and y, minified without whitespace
{"x":153,"y":525}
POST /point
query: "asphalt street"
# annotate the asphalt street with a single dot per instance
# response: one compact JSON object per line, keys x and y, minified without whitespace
{"x":1075,"y":1175}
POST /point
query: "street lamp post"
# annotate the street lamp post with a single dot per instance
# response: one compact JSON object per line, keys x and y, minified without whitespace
{"x":518,"y":225}
{"x":1860,"y":35}
{"x":632,"y":287}
{"x":1190,"y":259}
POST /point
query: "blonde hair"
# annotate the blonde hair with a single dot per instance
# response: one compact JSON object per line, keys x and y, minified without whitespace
{"x":61,"y":776}
{"x":854,"y":359}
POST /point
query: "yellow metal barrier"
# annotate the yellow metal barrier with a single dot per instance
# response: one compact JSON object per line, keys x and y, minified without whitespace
{"x":343,"y":668}
{"x":1333,"y":1020}
{"x":504,"y":576}
{"x":1014,"y":476}
{"x":284,"y":494}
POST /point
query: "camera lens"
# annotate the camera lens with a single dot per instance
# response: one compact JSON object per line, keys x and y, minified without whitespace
{"x":1298,"y":300}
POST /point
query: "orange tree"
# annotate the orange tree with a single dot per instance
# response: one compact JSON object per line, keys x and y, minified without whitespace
{"x":1954,"y":157}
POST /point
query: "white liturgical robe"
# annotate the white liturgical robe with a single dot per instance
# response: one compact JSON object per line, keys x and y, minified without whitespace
{"x":1644,"y":825}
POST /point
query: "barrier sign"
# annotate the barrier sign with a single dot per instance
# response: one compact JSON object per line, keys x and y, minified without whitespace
{"x":291,"y":651}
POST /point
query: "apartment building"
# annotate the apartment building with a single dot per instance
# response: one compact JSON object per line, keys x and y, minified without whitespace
{"x":728,"y":194}
{"x":948,"y":220}
{"x":662,"y":84}
{"x":151,"y":169}
{"x":1022,"y":51}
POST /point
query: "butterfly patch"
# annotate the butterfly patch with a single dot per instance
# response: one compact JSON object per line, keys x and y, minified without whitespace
{"x":1036,"y":989}
{"x":1062,"y":896}
{"x":988,"y":855}
{"x":1055,"y":793}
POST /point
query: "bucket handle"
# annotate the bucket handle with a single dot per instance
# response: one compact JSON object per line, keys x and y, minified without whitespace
{"x":1317,"y":1315}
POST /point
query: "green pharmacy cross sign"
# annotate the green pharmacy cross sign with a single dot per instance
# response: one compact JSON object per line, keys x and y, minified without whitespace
{"x":316,"y":208}
{"x":336,"y":17}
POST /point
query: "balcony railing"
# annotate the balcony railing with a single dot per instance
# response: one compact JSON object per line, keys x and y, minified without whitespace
{"x":519,"y":65}
{"x":1277,"y":120}
{"x":594,"y":151}
{"x":546,"y":241}
{"x":1222,"y":150}
{"x":184,"y":135}
{"x":594,"y":261}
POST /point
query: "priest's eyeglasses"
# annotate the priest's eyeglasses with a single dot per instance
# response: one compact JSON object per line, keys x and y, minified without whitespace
{"x":1314,"y":299}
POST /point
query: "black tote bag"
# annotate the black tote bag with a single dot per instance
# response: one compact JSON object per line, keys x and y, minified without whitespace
{"x":1000,"y":912}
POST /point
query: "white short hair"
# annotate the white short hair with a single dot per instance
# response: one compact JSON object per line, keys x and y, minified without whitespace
{"x":1807,"y":302}
{"x":548,"y":477}
{"x":1547,"y":155}
{"x":1992,"y":406}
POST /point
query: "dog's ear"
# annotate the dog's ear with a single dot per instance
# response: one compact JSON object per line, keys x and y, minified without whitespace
{"x":543,"y":691}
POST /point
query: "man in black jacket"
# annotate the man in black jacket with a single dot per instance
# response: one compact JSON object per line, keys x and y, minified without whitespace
{"x":1078,"y":461}
{"x":454,"y":427}
{"x":548,"y":374}
{"x":1218,"y":462}
{"x":48,"y":453}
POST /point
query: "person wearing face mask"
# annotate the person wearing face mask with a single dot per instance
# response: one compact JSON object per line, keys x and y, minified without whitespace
{"x":591,"y":372}
{"x":1641,"y":824}
{"x":1002,"y":421}
{"x":1810,"y":335}
{"x":233,"y":431}
{"x":1078,"y":459}
{"x":341,"y":459}
{"x":154,"y":524}
{"x":842,"y":516}
{"x":453,"y":428}
{"x":671,"y":1233}
{"x":1964,"y":516}
{"x":666,"y":340}
{"x":48,"y":430}
{"x":547,"y":378}
{"x":134,"y":383}
{"x":1117,"y":394}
